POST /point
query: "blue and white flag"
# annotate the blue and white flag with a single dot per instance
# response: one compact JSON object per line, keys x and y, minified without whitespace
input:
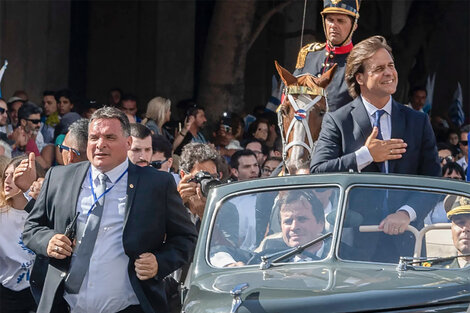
{"x":456,"y":113}
{"x":2,"y":71}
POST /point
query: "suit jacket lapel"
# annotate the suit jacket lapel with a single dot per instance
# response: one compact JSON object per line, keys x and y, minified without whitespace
{"x":132,"y":181}
{"x":398,"y":128}
{"x":360,"y":116}
{"x":81,"y":171}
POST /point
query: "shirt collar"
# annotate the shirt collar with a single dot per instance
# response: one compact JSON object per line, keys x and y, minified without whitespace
{"x":370,"y":108}
{"x":113,"y":174}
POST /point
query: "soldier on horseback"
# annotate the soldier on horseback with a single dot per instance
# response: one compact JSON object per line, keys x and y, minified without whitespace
{"x":339,"y":23}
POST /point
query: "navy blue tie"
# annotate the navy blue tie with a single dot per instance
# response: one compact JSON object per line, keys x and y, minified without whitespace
{"x":377,"y":115}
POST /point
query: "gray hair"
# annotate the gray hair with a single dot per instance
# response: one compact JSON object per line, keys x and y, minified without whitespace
{"x":196,"y":153}
{"x":7,"y":148}
{"x":108,"y":112}
{"x":79,"y":132}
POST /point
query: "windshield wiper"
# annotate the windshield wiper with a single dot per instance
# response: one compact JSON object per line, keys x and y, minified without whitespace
{"x":267,"y":260}
{"x":408,"y":262}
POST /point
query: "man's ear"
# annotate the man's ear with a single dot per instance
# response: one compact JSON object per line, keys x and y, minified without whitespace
{"x":181,"y":174}
{"x":234,"y":172}
{"x":360,"y":78}
{"x":23,"y":122}
{"x":129,"y":143}
{"x":71,"y":157}
{"x":170,"y":162}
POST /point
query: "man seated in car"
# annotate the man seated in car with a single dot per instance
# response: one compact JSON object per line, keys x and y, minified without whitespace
{"x":458,"y":212}
{"x":302,"y":219}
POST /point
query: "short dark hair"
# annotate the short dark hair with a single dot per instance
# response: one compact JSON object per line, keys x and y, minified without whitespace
{"x":234,"y":160}
{"x":277,"y":146}
{"x":277,"y":159}
{"x":161,"y":144}
{"x":450,"y":167}
{"x":297,"y":195}
{"x":196,"y":153}
{"x":27,"y":109}
{"x":264,"y":148}
{"x":415,"y":89}
{"x":194,"y":110}
{"x":140,"y":131}
{"x":48,"y":93}
{"x":129,"y":97}
{"x":78,"y":130}
{"x":465,"y":129}
{"x":108,"y":112}
{"x":66,"y":93}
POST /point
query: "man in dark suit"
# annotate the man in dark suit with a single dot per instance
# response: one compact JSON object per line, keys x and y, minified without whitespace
{"x":374,"y":133}
{"x":124,"y":245}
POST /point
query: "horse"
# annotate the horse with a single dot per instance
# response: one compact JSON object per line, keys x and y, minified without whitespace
{"x":300,"y":115}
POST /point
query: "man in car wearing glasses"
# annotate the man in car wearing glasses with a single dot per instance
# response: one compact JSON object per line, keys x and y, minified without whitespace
{"x":141,"y":149}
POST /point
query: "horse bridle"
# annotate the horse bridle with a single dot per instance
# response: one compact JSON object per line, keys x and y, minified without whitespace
{"x":299,"y":90}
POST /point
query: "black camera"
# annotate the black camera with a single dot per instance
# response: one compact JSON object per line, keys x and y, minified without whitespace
{"x":206,"y":180}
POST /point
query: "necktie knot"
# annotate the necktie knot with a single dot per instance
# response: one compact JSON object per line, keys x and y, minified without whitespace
{"x":378,"y":115}
{"x":103,"y":178}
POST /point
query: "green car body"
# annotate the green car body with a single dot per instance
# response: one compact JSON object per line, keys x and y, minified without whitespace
{"x":330,"y":284}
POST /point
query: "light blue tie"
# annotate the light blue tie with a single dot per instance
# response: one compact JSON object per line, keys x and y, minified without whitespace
{"x":86,"y":243}
{"x":377,"y":115}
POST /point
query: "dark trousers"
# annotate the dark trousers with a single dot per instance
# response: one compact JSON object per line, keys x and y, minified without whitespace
{"x":16,"y":301}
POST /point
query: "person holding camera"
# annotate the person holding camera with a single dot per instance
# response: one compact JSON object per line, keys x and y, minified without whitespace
{"x":198,"y":160}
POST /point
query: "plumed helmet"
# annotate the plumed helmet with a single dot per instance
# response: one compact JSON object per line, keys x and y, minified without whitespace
{"x":348,"y":7}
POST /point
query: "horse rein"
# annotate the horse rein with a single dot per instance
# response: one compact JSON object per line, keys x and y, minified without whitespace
{"x":300,"y":115}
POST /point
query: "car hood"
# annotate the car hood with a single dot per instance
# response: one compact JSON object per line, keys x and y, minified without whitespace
{"x":312,"y":287}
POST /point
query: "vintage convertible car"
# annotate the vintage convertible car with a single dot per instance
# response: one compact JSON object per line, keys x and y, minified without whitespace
{"x":315,"y":243}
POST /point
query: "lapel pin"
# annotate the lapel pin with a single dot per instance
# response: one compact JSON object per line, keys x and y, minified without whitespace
{"x":131,"y":185}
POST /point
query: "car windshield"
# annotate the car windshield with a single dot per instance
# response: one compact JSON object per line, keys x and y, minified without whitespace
{"x":261,"y":224}
{"x":375,"y":227}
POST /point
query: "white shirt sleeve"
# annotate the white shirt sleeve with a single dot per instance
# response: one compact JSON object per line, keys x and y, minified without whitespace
{"x":363,"y":158}
{"x":410,"y":210}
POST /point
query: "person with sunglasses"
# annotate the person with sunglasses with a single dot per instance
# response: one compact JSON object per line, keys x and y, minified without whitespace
{"x":162,"y":158}
{"x":463,"y":144}
{"x":29,"y":123}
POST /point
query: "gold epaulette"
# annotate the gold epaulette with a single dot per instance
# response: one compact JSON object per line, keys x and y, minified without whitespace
{"x":311,"y":47}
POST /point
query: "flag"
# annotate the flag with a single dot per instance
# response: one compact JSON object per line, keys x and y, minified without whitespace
{"x":2,"y":71}
{"x":456,"y":113}
{"x":429,"y":93}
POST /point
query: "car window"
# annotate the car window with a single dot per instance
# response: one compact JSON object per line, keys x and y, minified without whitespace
{"x":252,"y":225}
{"x":366,"y":207}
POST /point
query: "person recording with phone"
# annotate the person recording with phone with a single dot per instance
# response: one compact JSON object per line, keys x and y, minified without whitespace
{"x":194,"y":122}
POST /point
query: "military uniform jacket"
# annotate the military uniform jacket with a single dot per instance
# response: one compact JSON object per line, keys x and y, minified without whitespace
{"x":315,"y":59}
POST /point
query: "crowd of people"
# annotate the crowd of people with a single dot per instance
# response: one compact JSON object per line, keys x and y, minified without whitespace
{"x":132,"y":192}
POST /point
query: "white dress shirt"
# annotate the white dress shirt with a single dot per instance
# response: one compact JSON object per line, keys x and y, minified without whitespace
{"x":106,"y":286}
{"x":246,"y":205}
{"x":363,"y":156}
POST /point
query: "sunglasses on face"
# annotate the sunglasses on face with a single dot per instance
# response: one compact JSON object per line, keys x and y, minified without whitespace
{"x":464,"y":142}
{"x":2,"y":110}
{"x":34,"y":121}
{"x":447,"y":158}
{"x":62,"y":148}
{"x":157,"y":164}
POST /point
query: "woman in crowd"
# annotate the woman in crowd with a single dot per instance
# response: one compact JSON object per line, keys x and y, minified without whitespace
{"x":158,"y":113}
{"x":260,"y":130}
{"x":16,"y":260}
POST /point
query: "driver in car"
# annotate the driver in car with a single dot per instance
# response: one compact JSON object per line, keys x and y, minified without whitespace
{"x":302,"y":220}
